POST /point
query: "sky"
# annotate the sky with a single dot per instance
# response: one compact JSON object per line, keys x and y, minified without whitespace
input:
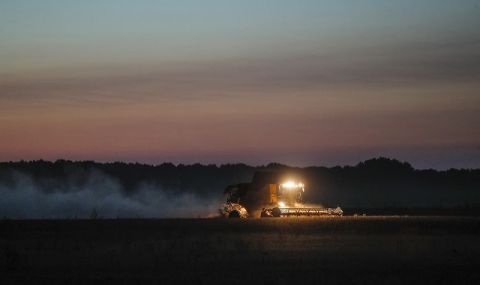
{"x":296,"y":82}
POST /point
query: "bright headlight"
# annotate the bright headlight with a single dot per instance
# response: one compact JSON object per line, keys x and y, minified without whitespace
{"x":289,"y":184}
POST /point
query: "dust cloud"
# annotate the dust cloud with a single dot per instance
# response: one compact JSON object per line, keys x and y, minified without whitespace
{"x":99,"y":196}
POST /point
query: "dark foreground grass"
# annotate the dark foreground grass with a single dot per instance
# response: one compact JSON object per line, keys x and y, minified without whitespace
{"x":347,"y":250}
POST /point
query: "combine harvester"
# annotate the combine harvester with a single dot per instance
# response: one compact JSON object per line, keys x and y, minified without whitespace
{"x":270,"y":194}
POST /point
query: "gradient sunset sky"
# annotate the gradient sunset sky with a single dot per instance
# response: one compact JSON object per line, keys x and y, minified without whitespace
{"x":296,"y":82}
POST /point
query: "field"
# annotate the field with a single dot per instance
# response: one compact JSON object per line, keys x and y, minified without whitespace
{"x":346,"y":250}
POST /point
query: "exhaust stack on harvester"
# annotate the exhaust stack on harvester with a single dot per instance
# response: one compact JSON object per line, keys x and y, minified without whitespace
{"x":270,"y":194}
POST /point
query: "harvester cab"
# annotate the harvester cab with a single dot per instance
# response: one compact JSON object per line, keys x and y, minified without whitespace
{"x":289,"y":194}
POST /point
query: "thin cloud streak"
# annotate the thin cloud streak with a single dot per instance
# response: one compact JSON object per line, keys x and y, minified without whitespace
{"x":414,"y":65}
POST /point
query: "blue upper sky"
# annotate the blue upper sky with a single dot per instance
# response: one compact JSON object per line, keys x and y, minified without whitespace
{"x":110,"y":31}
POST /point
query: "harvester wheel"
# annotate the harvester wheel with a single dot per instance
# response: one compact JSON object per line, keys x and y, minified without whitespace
{"x":234,"y":214}
{"x":276,"y":212}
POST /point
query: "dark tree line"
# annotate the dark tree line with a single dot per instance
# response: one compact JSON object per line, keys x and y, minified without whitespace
{"x":375,"y":183}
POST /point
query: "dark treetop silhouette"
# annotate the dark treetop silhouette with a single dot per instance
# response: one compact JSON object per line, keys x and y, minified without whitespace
{"x":375,"y":183}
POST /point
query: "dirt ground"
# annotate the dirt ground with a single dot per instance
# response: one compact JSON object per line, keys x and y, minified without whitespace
{"x":340,"y":250}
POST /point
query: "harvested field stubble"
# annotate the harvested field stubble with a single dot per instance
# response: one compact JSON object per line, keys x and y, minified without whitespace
{"x":359,"y":250}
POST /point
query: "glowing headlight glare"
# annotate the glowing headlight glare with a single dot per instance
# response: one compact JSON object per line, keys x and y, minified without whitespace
{"x":281,"y":204}
{"x":289,"y":184}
